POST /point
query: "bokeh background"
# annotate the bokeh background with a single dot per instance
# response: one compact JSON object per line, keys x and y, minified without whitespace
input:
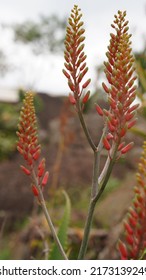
{"x":35,"y":58}
{"x":31,"y":58}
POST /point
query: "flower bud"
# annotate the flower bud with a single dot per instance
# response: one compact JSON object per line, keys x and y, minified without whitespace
{"x":123,"y":250}
{"x":72,"y":99}
{"x":66,"y":74}
{"x":127,"y":148}
{"x":45,"y":179}
{"x":99,"y":110}
{"x":86,"y":97}
{"x":35,"y":191}
{"x":86,"y":83}
{"x":106,"y":144}
{"x":105,"y":88}
{"x":25,"y":170}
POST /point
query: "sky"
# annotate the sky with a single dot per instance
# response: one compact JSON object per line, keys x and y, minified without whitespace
{"x":44,"y":73}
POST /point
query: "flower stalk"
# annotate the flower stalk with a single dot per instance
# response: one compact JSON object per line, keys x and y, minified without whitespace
{"x":30,"y":149}
{"x":76,"y":67}
{"x":120,"y":117}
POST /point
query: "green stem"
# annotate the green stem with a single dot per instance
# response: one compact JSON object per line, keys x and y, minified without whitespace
{"x":95,"y":175}
{"x":110,"y":167}
{"x":48,"y":218}
{"x":92,"y":205}
{"x":99,"y":149}
{"x":56,"y":239}
{"x":95,"y":193}
{"x":85,"y":129}
{"x":96,"y":166}
{"x":88,"y":224}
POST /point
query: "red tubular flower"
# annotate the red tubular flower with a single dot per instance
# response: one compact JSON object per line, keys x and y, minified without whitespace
{"x":25,"y":170}
{"x":86,"y":97}
{"x":28,"y":145}
{"x":127,"y":148}
{"x":135,"y":223}
{"x":99,"y":110}
{"x":119,"y":71}
{"x":72,"y":99}
{"x":106,"y":143}
{"x":41,"y":168}
{"x":45,"y":179}
{"x":75,"y":58}
{"x":123,"y":250}
{"x":35,"y":190}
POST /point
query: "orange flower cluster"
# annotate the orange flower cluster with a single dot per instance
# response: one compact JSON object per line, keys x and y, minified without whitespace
{"x":135,"y":224}
{"x":121,"y":91}
{"x":28,"y":145}
{"x":75,"y":58}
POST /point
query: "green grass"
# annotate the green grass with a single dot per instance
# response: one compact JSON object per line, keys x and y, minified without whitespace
{"x":5,"y":254}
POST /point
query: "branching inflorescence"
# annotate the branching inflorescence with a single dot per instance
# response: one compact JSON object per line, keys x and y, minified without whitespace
{"x":118,"y":119}
{"x":121,"y":91}
{"x":119,"y":70}
{"x":134,"y":243}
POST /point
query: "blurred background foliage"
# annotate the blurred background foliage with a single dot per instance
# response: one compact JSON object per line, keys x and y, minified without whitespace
{"x":46,"y":36}
{"x":43,"y":36}
{"x":8,"y":124}
{"x":141,"y":71}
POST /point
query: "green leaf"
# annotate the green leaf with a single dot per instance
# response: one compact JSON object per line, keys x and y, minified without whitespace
{"x":62,"y":231}
{"x":143,"y":255}
{"x":138,"y":132}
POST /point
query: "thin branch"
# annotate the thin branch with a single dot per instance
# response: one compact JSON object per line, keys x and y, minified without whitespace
{"x":99,"y":149}
{"x":107,"y":164}
{"x":85,"y":129}
{"x":104,"y":171}
{"x":56,"y":239}
{"x":48,"y":218}
{"x":95,"y":175}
